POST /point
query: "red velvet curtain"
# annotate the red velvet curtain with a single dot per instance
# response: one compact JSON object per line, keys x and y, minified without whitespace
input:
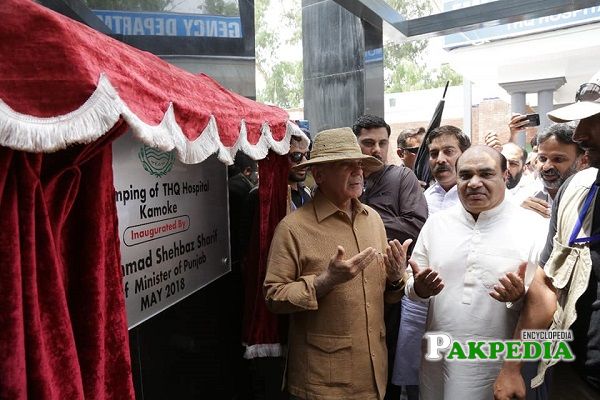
{"x":63,"y":330}
{"x":260,"y":325}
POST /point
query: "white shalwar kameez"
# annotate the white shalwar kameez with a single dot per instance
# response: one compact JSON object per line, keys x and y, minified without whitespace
{"x":470,"y":257}
{"x":414,"y":313}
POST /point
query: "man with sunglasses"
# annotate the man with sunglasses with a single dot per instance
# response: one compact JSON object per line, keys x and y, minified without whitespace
{"x":408,"y":143}
{"x":395,"y":193}
{"x":299,"y":194}
{"x":565,"y":293}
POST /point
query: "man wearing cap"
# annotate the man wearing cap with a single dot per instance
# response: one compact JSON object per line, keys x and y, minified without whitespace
{"x":330,"y":267}
{"x":565,"y":293}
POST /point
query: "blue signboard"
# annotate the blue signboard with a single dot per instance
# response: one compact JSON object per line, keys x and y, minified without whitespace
{"x":374,"y":55}
{"x":170,"y":24}
{"x":520,"y":28}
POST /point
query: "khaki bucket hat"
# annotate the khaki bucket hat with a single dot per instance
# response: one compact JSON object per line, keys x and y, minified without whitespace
{"x":338,"y":144}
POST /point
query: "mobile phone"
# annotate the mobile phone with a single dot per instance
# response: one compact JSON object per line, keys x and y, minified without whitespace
{"x":534,"y":119}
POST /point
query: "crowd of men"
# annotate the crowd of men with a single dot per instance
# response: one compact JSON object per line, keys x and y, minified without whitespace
{"x":370,"y":260}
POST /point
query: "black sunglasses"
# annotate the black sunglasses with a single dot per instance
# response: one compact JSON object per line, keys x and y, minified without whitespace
{"x":296,"y":156}
{"x":413,"y":150}
{"x":588,"y":92}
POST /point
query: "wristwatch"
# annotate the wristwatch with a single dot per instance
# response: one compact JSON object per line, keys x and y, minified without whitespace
{"x":394,"y":285}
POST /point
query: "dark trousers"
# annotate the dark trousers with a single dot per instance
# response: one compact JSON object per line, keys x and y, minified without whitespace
{"x":266,"y":378}
{"x":392,"y":325}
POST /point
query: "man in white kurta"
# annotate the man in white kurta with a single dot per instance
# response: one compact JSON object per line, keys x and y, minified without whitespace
{"x":445,"y":145}
{"x":460,"y":256}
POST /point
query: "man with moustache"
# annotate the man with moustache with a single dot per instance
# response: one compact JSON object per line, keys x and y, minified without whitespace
{"x":468,"y":260}
{"x":565,"y":293}
{"x":559,"y":157}
{"x":445,"y":144}
{"x":330,"y":267}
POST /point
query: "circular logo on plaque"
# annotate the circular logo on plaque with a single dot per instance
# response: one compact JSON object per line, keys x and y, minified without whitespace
{"x":156,"y":162}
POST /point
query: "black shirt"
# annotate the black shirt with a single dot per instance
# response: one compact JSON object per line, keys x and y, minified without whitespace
{"x":586,"y":329}
{"x":300,"y":196}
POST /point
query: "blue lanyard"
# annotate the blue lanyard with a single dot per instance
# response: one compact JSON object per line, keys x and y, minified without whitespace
{"x":586,"y":206}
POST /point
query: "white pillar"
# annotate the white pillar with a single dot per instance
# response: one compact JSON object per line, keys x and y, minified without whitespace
{"x":545,"y":105}
{"x":543,"y":87}
{"x":518,"y":105}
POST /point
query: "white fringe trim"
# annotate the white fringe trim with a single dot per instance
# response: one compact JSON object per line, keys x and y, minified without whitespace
{"x":102,"y":111}
{"x":263,"y":350}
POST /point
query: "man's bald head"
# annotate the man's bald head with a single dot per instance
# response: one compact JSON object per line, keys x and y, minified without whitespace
{"x":480,"y":148}
{"x":481,"y":171}
{"x":511,"y":148}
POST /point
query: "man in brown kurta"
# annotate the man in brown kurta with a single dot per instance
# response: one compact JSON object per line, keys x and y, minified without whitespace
{"x":330,"y":266}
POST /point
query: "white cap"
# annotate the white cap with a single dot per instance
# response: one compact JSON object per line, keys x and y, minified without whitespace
{"x":578,"y":110}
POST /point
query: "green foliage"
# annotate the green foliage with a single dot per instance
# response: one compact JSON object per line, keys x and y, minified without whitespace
{"x":405,"y":69}
{"x":293,"y":18}
{"x":284,"y":84}
{"x":404,"y":66}
{"x":409,"y":76}
{"x":221,"y":7}
{"x":411,"y":8}
{"x":267,"y":43}
{"x":446,"y":73}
